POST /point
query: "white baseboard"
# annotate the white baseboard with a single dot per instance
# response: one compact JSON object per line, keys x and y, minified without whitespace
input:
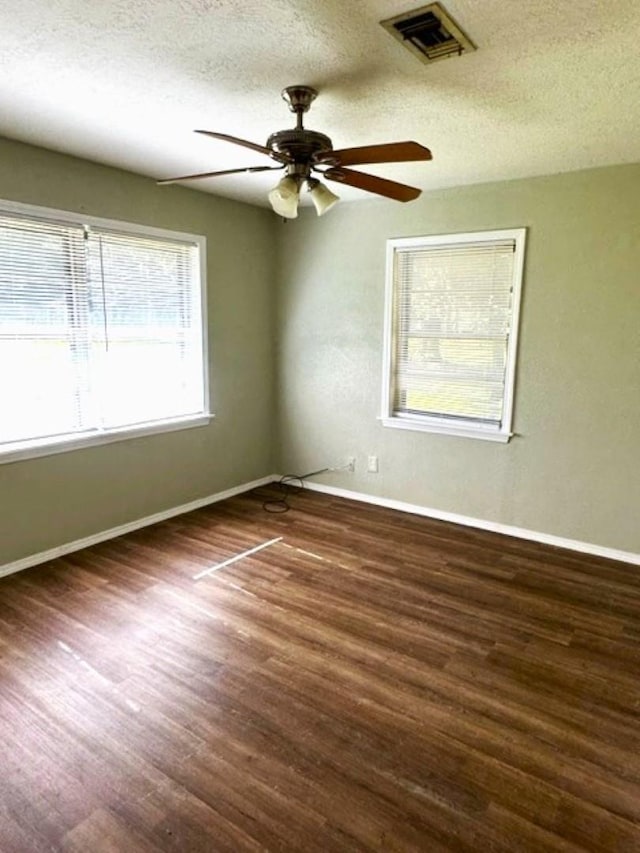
{"x":78,"y":544}
{"x":469,"y":521}
{"x":401,"y":506}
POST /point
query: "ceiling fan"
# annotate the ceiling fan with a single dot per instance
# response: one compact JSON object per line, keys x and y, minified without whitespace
{"x":303,"y":152}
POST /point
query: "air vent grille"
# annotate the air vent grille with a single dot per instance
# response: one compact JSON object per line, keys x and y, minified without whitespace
{"x":429,"y":33}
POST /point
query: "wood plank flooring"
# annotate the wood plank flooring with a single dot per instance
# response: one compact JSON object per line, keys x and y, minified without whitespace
{"x":374,"y":681}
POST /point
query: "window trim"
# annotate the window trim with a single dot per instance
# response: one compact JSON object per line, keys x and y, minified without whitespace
{"x":426,"y":423}
{"x":45,"y":446}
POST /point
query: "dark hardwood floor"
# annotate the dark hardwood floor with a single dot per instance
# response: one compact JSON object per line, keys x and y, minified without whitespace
{"x":374,"y":681}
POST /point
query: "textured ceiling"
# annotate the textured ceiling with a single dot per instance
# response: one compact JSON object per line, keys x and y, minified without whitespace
{"x":552,"y":87}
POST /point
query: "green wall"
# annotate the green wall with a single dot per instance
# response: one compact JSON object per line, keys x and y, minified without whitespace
{"x":49,"y":501}
{"x":295,"y":325}
{"x":573,"y":469}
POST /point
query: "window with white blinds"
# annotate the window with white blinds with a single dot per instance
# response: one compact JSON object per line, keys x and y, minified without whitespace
{"x":101,"y":330}
{"x":452,"y":321}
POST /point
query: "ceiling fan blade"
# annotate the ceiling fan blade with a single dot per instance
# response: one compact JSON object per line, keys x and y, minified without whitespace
{"x":389,"y":152}
{"x":216,"y":174}
{"x":373,"y":184}
{"x":245,"y":144}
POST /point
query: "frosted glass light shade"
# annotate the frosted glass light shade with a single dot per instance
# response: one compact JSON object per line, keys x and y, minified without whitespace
{"x":284,"y":198}
{"x":322,"y":198}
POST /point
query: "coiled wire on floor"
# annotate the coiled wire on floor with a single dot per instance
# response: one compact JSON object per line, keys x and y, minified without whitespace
{"x":282,"y":489}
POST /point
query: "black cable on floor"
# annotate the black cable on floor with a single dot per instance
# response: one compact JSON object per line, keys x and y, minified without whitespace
{"x":289,"y":484}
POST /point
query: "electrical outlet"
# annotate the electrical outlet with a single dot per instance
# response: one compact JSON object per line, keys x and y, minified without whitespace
{"x":351,"y":464}
{"x":372,"y":464}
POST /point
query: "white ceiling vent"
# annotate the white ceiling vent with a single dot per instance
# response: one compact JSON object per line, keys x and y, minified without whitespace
{"x":429,"y":33}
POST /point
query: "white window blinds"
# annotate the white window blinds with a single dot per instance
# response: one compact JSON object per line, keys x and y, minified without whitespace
{"x":146,"y":332}
{"x":99,"y":329}
{"x":453,"y":318}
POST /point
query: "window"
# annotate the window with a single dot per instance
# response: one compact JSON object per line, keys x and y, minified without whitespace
{"x":451,"y":329}
{"x":101,"y":331}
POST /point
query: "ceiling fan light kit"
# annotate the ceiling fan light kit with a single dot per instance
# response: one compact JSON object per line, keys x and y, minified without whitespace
{"x":302,"y":152}
{"x":285,"y":196}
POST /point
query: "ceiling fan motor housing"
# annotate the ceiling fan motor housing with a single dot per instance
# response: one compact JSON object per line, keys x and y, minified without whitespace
{"x":299,"y":145}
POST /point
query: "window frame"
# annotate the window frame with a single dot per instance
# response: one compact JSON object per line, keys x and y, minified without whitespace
{"x":433,"y":423}
{"x":47,"y":446}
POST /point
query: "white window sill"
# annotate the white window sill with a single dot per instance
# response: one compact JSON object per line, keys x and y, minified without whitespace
{"x":61,"y":444}
{"x":425,"y":425}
